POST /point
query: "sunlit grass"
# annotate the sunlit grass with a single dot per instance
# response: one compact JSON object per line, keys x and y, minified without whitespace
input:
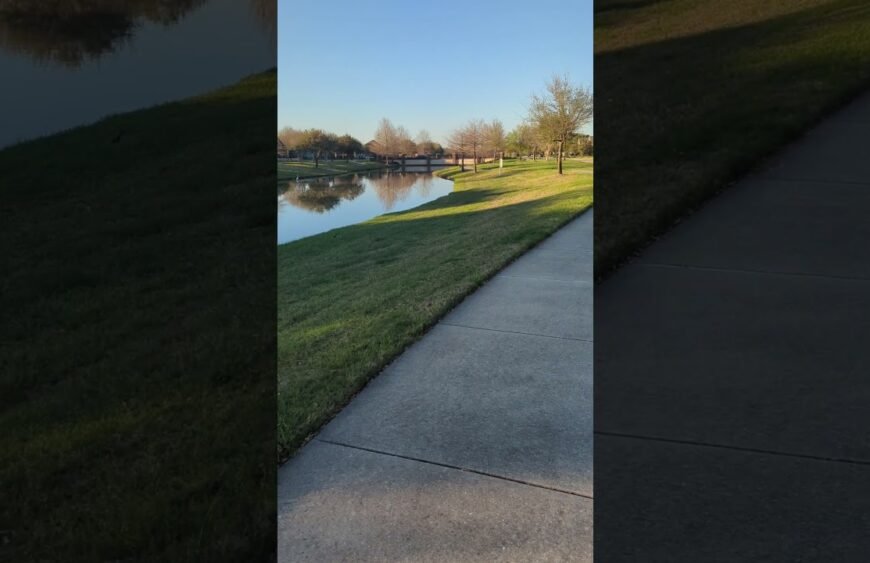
{"x":350,"y":300}
{"x":695,"y":93}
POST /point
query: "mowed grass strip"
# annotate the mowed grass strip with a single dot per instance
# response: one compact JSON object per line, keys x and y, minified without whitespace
{"x":290,"y":169}
{"x":350,"y":300}
{"x":137,"y":344}
{"x":693,"y":94}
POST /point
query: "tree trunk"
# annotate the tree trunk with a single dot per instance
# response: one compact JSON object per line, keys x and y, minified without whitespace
{"x":316,"y":158}
{"x":475,"y":159}
{"x":560,"y":156}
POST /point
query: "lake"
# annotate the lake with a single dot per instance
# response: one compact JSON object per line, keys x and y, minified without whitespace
{"x":317,"y":205}
{"x":69,"y":64}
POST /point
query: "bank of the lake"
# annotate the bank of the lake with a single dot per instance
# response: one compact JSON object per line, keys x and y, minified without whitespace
{"x":137,"y":348}
{"x":292,"y":169}
{"x":73,"y":63}
{"x":350,"y":300}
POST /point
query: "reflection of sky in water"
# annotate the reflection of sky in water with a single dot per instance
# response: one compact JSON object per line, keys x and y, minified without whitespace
{"x":318,"y":205}
{"x":212,"y":45}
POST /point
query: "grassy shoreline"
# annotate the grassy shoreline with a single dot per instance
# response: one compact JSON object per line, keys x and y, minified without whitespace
{"x":290,"y":170}
{"x":350,"y":300}
{"x":699,"y":93}
{"x":137,"y":369}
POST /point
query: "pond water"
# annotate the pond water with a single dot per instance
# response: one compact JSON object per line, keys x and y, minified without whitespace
{"x":317,"y":205}
{"x":72,"y":63}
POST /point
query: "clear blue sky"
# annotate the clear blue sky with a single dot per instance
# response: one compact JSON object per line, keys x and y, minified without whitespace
{"x":344,"y":64}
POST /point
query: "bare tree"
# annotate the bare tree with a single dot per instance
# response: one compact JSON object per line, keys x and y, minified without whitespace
{"x":475,"y":135}
{"x":290,"y":137}
{"x":386,"y":139}
{"x":472,"y":138}
{"x":406,"y":146}
{"x":458,"y":143}
{"x":494,"y":137}
{"x":561,"y":112}
{"x":424,"y":142}
{"x":531,"y":138}
{"x":521,"y":140}
{"x":514,"y":141}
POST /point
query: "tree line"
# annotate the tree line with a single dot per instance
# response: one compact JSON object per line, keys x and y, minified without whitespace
{"x":320,"y":143}
{"x":553,"y":123}
{"x":393,"y":141}
{"x":389,"y":141}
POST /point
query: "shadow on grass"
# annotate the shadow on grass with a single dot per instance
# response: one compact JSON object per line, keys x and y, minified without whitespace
{"x":686,"y":116}
{"x":459,"y":199}
{"x":517,"y":169}
{"x":353,"y":299}
{"x":137,"y":388}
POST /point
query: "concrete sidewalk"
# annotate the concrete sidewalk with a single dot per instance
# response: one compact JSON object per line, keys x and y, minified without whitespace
{"x":732,"y":371}
{"x":475,"y":444}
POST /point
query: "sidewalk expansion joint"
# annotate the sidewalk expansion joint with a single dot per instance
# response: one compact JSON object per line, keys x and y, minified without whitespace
{"x":810,"y":181}
{"x":517,"y":332}
{"x":456,"y":467}
{"x":750,"y":271}
{"x":734,"y":448}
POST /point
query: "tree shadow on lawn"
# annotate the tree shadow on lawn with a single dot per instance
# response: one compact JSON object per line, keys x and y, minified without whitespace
{"x":459,"y":199}
{"x":138,"y":350}
{"x":349,"y":260}
{"x":713,"y":106}
{"x":510,"y":171}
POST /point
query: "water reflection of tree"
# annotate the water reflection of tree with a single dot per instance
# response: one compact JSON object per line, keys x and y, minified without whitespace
{"x":322,"y":194}
{"x":266,"y":14}
{"x":73,"y":32}
{"x":392,"y":187}
{"x":424,"y":186}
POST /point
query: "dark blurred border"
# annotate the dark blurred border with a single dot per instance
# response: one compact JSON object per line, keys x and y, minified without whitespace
{"x":137,"y":348}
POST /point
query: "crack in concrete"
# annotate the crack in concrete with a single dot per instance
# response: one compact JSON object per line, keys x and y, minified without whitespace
{"x":733,"y":448}
{"x":516,"y":332}
{"x":456,"y":467}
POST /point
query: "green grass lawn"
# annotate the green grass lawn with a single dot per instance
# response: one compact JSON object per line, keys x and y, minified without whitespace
{"x":289,"y":169}
{"x":137,"y":349}
{"x":692,"y":94}
{"x":350,"y":300}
